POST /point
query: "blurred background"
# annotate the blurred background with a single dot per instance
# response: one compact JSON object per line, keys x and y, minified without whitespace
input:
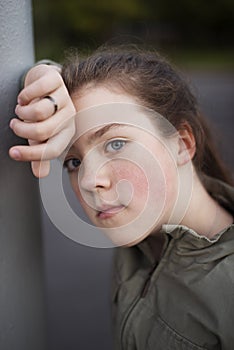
{"x":191,"y":32}
{"x":195,"y":35}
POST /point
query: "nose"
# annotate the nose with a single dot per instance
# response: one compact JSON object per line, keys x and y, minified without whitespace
{"x":93,"y":175}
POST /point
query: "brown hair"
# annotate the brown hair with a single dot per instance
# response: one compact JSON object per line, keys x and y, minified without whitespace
{"x":156,"y":85}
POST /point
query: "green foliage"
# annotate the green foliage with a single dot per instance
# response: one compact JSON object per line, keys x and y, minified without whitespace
{"x":166,"y":24}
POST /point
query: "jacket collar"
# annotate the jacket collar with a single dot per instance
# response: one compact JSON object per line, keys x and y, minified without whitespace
{"x":220,"y":191}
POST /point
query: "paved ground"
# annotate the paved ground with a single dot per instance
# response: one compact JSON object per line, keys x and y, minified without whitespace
{"x":78,"y":276}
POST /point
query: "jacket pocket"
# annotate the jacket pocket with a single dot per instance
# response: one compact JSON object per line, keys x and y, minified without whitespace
{"x":163,"y":337}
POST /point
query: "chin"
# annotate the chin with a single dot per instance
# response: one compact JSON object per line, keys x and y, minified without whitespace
{"x":123,"y":237}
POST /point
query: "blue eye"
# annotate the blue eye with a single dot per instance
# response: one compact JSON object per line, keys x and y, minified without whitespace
{"x":115,"y":145}
{"x":71,"y":164}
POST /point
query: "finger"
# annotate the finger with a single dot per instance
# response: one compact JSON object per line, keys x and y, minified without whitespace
{"x":44,"y":108}
{"x":53,"y":148}
{"x":45,"y":85}
{"x":40,"y":169}
{"x":38,"y":71}
{"x":27,"y":153}
{"x":42,"y":131}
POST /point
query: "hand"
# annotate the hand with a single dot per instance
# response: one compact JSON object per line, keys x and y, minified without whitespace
{"x":48,"y":131}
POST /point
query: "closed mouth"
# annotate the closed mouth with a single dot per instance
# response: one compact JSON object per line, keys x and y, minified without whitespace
{"x":109,"y":212}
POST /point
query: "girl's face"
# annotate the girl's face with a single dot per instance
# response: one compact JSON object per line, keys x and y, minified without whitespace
{"x":122,"y":171}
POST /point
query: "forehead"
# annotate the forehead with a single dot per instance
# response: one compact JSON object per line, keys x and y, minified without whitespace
{"x":111,"y":114}
{"x":99,"y":120}
{"x":100,"y":109}
{"x":91,"y":96}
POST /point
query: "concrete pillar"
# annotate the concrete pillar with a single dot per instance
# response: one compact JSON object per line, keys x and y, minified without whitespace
{"x":22,"y":300}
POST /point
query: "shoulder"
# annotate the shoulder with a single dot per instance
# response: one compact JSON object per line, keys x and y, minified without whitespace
{"x":193,"y":290}
{"x":203,"y":261}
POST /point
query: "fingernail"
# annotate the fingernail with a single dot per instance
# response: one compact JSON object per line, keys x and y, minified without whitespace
{"x":16,"y":107}
{"x":11,"y":123}
{"x":15,"y":153}
{"x":19,"y":101}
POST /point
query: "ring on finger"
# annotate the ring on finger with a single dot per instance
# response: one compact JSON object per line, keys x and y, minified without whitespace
{"x":50,"y":98}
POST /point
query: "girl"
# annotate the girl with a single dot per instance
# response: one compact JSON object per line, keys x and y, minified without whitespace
{"x":143,"y":167}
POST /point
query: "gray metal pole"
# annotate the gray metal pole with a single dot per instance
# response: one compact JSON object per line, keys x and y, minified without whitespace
{"x":22,"y":300}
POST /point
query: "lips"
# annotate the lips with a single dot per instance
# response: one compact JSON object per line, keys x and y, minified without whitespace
{"x":108,"y":212}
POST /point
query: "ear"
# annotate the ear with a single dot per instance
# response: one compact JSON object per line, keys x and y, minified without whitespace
{"x":187,"y":144}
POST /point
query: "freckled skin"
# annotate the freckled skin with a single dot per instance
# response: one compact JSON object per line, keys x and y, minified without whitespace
{"x":133,"y":192}
{"x":143,"y":181}
{"x":134,"y":174}
{"x":149,"y":194}
{"x":174,"y":188}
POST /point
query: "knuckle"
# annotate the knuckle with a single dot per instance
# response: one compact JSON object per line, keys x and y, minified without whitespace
{"x":36,"y":72}
{"x":54,"y":151}
{"x":40,"y":133}
{"x":38,"y":114}
{"x":69,"y":113}
{"x":28,"y":153}
{"x":31,"y":154}
{"x":42,"y":85}
{"x":20,"y":113}
{"x":17,"y":127}
{"x":56,"y":76}
{"x":25,"y":95}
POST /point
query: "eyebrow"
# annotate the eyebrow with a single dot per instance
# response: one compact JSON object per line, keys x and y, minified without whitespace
{"x":100,"y":132}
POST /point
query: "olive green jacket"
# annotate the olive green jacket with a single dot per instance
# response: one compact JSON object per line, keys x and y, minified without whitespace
{"x":186,"y":300}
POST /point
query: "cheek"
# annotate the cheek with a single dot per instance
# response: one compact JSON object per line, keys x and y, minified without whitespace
{"x":75,"y":187}
{"x":82,"y":201}
{"x":153,"y":184}
{"x":131,"y":178}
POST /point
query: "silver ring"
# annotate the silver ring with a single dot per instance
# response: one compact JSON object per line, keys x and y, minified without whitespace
{"x":53,"y":101}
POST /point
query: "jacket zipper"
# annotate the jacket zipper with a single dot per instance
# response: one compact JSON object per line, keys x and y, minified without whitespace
{"x":146,"y":286}
{"x":125,"y":320}
{"x":142,"y":295}
{"x":148,"y":281}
